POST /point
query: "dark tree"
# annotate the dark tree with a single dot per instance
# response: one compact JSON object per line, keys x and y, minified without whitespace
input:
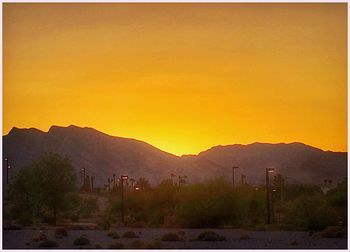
{"x":143,"y":184}
{"x":47,"y":185}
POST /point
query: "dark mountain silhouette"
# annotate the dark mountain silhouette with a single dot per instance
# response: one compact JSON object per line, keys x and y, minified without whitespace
{"x":103,"y":155}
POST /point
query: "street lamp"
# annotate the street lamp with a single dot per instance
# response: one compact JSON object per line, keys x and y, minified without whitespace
{"x":82,"y":171}
{"x":122,"y":179}
{"x":268,"y":170}
{"x":7,"y":169}
{"x":233,"y":175}
{"x":8,"y":172}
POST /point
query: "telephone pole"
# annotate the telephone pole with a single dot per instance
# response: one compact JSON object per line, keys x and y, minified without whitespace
{"x":123,"y":178}
{"x":243,"y":179}
{"x":268,"y":170}
{"x":233,"y":175}
{"x":7,"y":170}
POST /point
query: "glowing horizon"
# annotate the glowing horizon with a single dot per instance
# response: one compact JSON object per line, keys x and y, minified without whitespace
{"x":181,"y":77}
{"x":47,"y":130}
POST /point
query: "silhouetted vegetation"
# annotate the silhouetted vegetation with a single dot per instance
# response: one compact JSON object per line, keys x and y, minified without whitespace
{"x":48,"y":244}
{"x":210,"y":236}
{"x":130,"y":234}
{"x":47,"y":191}
{"x":81,"y":241}
{"x":217,"y":204}
{"x":43,"y":189}
{"x":171,"y":237}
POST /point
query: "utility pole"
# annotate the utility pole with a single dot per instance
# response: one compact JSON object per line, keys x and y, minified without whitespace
{"x":233,"y":175}
{"x":268,"y":170}
{"x":123,"y":178}
{"x":109,"y":184}
{"x":7,"y":170}
{"x":83,"y":176}
{"x":242,"y":179}
{"x":114,"y":180}
{"x":92,"y":183}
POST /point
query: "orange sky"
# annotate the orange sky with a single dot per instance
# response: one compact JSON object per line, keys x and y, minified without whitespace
{"x":182,"y":77}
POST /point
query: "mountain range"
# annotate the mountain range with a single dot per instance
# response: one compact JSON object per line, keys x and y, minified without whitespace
{"x":103,"y":155}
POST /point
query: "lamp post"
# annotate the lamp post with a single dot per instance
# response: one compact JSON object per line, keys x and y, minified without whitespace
{"x":268,"y":170}
{"x":7,"y":170}
{"x":243,"y":179}
{"x":114,"y":180}
{"x":122,"y":179}
{"x":83,"y":175}
{"x":233,"y":175}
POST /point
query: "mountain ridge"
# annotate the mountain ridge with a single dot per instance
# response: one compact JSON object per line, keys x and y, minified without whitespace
{"x":103,"y":155}
{"x":72,"y":126}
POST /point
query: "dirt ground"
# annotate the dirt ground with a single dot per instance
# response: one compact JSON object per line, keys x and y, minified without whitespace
{"x":23,"y":239}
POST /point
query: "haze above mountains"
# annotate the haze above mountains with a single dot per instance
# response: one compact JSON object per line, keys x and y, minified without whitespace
{"x":103,"y":155}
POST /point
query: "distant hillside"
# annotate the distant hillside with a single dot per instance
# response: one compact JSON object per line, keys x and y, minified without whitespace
{"x":298,"y":161}
{"x":102,"y":155}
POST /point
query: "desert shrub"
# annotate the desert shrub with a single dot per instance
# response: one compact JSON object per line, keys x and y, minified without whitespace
{"x":171,"y":237}
{"x":13,"y":227}
{"x":113,"y":234}
{"x":154,"y":245}
{"x":130,"y":234}
{"x":181,"y":233}
{"x":256,"y":211}
{"x":61,"y":232}
{"x":116,"y":245}
{"x":334,"y":232}
{"x":137,"y":244}
{"x":244,"y":236}
{"x":81,"y":241}
{"x":87,"y":207}
{"x":41,"y":195}
{"x":210,"y":236}
{"x":294,"y":191}
{"x":207,"y":205}
{"x":48,"y":244}
{"x":309,"y":213}
{"x":338,"y":199}
{"x":294,"y":243}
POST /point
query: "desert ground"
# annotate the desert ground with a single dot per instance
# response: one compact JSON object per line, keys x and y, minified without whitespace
{"x":235,"y":239}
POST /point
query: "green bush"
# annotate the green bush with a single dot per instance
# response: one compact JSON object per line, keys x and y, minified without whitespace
{"x":113,"y":234}
{"x":309,"y":213}
{"x":130,"y":234}
{"x":207,"y":205}
{"x":87,"y":207}
{"x":210,"y":236}
{"x":48,"y":244}
{"x":116,"y":245}
{"x":138,"y":244}
{"x":171,"y":237}
{"x":334,"y":232}
{"x":61,"y":232}
{"x":41,"y":195}
{"x":81,"y":241}
{"x":154,"y":245}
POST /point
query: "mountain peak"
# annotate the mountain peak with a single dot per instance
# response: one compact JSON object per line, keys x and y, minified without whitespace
{"x":71,"y":127}
{"x":16,"y":130}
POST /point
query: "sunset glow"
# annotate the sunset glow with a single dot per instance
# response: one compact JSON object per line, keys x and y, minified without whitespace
{"x":182,"y":77}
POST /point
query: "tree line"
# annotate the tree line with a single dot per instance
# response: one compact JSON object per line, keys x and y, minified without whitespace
{"x":47,"y":190}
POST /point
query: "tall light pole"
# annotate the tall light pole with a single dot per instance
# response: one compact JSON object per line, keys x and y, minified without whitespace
{"x":242,"y":179}
{"x":123,"y":178}
{"x":233,"y":175}
{"x":268,"y":170}
{"x":7,"y":170}
{"x":83,"y":175}
{"x":114,"y":180}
